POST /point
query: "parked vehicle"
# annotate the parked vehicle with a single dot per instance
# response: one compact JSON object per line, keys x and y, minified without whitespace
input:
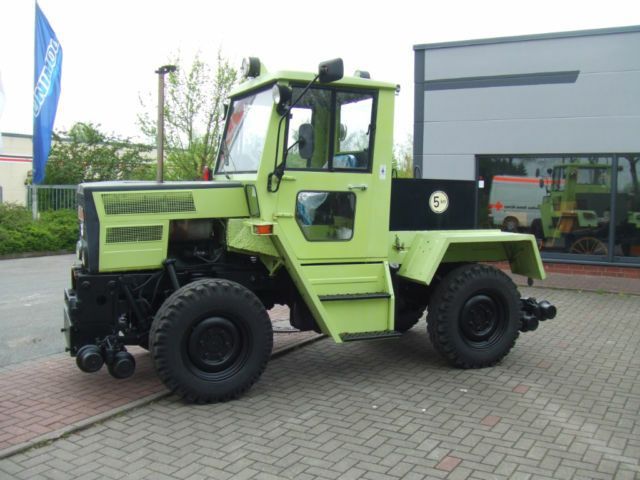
{"x":298,"y":213}
{"x":514,"y":201}
{"x":575,"y":211}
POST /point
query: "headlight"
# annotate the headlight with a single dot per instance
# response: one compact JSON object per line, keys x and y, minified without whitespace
{"x":250,"y":67}
{"x":281,"y":97}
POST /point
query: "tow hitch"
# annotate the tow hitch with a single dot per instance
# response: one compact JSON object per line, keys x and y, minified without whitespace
{"x":534,"y":312}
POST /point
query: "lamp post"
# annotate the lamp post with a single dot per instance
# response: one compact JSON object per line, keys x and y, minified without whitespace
{"x":162,"y":71}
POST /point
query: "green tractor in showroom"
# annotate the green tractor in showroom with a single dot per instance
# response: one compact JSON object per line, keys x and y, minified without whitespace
{"x":302,"y":211}
{"x":576,"y":210}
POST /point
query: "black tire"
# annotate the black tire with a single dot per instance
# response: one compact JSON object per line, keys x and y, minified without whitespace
{"x":474,"y":316}
{"x":407,"y":317}
{"x":144,"y":343}
{"x":510,"y":224}
{"x":211,"y":340}
{"x":536,"y":229}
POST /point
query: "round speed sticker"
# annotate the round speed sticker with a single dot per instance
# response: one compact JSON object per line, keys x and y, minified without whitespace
{"x":438,"y":202}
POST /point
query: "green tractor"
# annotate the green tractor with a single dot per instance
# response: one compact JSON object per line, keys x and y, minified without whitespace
{"x":302,"y":211}
{"x":575,"y":212}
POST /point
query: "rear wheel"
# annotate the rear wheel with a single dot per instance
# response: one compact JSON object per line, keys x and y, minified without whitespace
{"x":474,"y":316}
{"x":588,"y":246}
{"x":211,"y":340}
{"x":510,"y":224}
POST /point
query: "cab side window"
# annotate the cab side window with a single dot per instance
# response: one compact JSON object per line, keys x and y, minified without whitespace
{"x":313,"y":113}
{"x":330,"y":130}
{"x":326,"y":216}
{"x":353,"y":131}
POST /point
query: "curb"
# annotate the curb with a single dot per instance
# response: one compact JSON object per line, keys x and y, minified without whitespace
{"x":49,"y":437}
{"x":80,"y":425}
{"x":600,"y":291}
{"x":14,"y":256}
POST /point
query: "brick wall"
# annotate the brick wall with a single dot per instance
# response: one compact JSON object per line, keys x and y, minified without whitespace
{"x":598,"y":270}
{"x":594,"y":270}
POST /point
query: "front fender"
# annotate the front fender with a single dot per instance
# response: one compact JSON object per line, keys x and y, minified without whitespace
{"x":421,"y":253}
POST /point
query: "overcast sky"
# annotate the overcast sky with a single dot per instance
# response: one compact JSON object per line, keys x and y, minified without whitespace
{"x":111,"y":48}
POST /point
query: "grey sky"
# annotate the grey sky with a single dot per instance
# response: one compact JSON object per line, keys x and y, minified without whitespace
{"x":111,"y":48}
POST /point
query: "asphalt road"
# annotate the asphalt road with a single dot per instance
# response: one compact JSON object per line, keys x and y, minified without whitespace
{"x":31,"y":304}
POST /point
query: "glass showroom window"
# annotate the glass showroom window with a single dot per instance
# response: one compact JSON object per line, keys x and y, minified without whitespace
{"x":565,"y":201}
{"x":627,"y":207}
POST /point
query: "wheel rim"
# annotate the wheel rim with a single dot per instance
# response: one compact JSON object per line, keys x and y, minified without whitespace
{"x":510,"y":225}
{"x":482,"y":320}
{"x":589,"y":246}
{"x":217,"y":348}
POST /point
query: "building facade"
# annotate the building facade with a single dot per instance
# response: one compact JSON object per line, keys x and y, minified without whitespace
{"x":15,"y":167}
{"x":548,"y":127}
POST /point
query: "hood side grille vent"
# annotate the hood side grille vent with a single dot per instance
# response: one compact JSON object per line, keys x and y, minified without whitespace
{"x":148,"y":202}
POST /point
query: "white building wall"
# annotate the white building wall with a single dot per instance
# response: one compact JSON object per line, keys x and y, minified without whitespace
{"x":15,"y":165}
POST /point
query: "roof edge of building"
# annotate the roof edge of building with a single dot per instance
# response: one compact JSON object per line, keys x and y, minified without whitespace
{"x":527,"y":38}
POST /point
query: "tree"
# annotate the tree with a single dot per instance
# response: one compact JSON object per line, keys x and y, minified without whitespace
{"x":85,"y":154}
{"x":403,"y":158}
{"x":194,"y":107}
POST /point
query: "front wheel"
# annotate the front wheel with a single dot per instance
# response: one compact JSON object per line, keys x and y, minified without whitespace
{"x":211,"y":340}
{"x":474,"y":316}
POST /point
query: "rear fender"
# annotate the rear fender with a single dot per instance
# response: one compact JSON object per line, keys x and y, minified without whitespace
{"x":428,"y":250}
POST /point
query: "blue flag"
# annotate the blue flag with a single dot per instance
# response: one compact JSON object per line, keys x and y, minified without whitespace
{"x":48,"y":64}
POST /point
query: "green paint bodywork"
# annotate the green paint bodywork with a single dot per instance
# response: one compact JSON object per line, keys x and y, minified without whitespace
{"x":419,"y":254}
{"x":149,"y":254}
{"x":559,"y":210}
{"x":321,"y":270}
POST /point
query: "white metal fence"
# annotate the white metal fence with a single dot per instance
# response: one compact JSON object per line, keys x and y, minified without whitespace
{"x":51,"y":197}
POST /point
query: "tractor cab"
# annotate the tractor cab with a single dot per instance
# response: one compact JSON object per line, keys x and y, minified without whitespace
{"x":314,"y":154}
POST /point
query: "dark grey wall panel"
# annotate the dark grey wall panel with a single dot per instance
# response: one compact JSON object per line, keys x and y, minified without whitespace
{"x":491,"y":81}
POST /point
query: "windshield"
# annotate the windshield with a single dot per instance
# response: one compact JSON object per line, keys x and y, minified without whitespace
{"x":245,"y":134}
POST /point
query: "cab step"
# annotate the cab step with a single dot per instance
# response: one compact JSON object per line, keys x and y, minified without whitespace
{"x":353,"y":337}
{"x":353,"y":296}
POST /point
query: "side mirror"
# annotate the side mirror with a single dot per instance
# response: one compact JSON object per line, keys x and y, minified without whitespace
{"x":330,"y":71}
{"x":550,"y":171}
{"x":305,"y":141}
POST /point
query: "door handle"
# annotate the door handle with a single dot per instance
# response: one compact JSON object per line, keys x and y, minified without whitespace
{"x":362,"y":187}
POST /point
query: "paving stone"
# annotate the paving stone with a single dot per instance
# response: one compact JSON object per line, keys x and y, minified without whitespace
{"x":311,"y":416}
{"x":448,"y":463}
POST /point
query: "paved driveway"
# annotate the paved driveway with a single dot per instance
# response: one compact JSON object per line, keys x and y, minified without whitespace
{"x":31,"y":303}
{"x":564,"y":404}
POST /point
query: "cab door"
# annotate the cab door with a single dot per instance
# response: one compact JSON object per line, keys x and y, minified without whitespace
{"x":333,"y":211}
{"x":327,"y":204}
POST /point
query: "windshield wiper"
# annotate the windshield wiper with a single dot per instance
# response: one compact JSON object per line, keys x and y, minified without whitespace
{"x":227,"y":159}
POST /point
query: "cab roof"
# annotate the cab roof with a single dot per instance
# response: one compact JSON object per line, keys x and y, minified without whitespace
{"x":304,"y":78}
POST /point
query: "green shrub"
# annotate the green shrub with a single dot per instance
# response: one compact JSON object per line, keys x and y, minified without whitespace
{"x":19,"y":233}
{"x":14,"y":216}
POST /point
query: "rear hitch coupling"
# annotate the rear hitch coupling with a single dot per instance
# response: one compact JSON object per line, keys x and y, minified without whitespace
{"x":120,"y":363}
{"x":534,"y":312}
